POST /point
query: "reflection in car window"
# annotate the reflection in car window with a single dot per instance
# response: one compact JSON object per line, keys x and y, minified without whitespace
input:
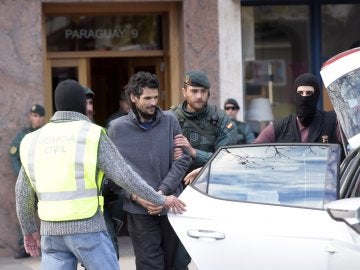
{"x":302,"y":175}
{"x":202,"y":181}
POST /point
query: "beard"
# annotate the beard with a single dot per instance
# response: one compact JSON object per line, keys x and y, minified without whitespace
{"x":145,"y":115}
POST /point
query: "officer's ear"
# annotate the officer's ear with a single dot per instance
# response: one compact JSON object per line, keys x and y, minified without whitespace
{"x":183,"y":90}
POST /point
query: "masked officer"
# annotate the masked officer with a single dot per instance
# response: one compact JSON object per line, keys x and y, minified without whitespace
{"x":36,"y":120}
{"x":204,"y":129}
{"x":308,"y":124}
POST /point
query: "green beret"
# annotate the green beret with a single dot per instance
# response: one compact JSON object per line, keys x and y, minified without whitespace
{"x":197,"y":78}
{"x":88,"y":92}
{"x":36,"y":108}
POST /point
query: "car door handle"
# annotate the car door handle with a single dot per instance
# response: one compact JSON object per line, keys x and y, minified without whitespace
{"x":206,"y":234}
{"x":330,"y":248}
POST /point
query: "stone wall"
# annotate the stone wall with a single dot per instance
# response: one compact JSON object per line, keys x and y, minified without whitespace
{"x":22,"y":82}
{"x":21,"y":85}
{"x":201,"y":40}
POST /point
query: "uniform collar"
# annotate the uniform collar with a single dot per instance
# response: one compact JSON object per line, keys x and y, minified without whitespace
{"x":194,"y":114}
{"x":68,"y":115}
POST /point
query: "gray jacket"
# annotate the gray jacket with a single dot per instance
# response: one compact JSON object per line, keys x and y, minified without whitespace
{"x":149,"y":151}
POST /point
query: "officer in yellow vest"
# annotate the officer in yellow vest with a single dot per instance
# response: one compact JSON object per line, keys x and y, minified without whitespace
{"x":63,"y":163}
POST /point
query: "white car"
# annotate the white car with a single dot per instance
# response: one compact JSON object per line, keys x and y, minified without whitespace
{"x":273,"y":206}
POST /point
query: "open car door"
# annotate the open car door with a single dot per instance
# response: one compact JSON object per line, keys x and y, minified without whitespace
{"x":262,"y":207}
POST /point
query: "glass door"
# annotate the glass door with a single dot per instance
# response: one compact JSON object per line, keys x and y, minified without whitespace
{"x":154,"y":65}
{"x":62,"y":69}
{"x":276,"y":49}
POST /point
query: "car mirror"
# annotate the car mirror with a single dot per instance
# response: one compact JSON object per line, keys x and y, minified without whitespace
{"x":346,"y":210}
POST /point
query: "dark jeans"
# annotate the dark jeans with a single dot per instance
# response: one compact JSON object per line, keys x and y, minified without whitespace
{"x":154,"y":241}
{"x":111,"y":230}
{"x":20,"y":239}
{"x":182,"y":258}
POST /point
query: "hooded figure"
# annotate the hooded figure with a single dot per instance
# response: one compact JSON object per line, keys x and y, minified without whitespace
{"x":306,"y":106}
{"x":308,"y":124}
{"x":70,"y":96}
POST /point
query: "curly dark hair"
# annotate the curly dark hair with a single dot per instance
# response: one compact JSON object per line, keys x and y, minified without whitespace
{"x":140,"y":80}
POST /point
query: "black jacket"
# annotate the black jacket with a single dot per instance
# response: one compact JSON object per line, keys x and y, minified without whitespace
{"x":321,"y":129}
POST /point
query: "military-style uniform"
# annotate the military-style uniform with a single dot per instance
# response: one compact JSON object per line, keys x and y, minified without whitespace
{"x":206,"y":131}
{"x":14,"y":151}
{"x":245,"y":133}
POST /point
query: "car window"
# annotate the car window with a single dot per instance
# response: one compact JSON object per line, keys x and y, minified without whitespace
{"x":301,"y":175}
{"x":350,"y":176}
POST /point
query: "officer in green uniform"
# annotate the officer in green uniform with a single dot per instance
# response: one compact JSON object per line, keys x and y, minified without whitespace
{"x":204,"y":129}
{"x":245,"y":132}
{"x":36,"y":120}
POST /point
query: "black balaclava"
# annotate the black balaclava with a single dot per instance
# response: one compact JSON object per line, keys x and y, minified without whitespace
{"x":306,"y":106}
{"x":70,"y":96}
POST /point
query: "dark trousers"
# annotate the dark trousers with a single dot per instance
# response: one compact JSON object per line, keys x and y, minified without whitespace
{"x":111,"y":230}
{"x":20,"y":239}
{"x":154,"y":241}
{"x":182,"y":258}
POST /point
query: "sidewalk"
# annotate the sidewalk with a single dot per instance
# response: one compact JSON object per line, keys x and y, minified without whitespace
{"x":127,"y":260}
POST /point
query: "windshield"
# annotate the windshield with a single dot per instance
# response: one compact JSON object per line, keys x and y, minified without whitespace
{"x":301,"y":175}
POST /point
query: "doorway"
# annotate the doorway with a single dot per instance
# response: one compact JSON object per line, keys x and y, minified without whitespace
{"x":116,"y":41}
{"x":108,"y":76}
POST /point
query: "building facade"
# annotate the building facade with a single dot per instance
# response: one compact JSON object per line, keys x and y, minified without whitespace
{"x":282,"y":39}
{"x":100,"y":44}
{"x":248,"y":48}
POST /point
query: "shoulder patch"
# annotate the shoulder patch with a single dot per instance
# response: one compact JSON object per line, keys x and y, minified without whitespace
{"x":13,"y":150}
{"x":229,"y":125}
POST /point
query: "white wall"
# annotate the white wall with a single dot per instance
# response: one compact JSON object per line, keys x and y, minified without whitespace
{"x":230,"y":53}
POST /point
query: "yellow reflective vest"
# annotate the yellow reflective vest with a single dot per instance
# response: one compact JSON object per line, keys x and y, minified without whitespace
{"x":60,"y":160}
